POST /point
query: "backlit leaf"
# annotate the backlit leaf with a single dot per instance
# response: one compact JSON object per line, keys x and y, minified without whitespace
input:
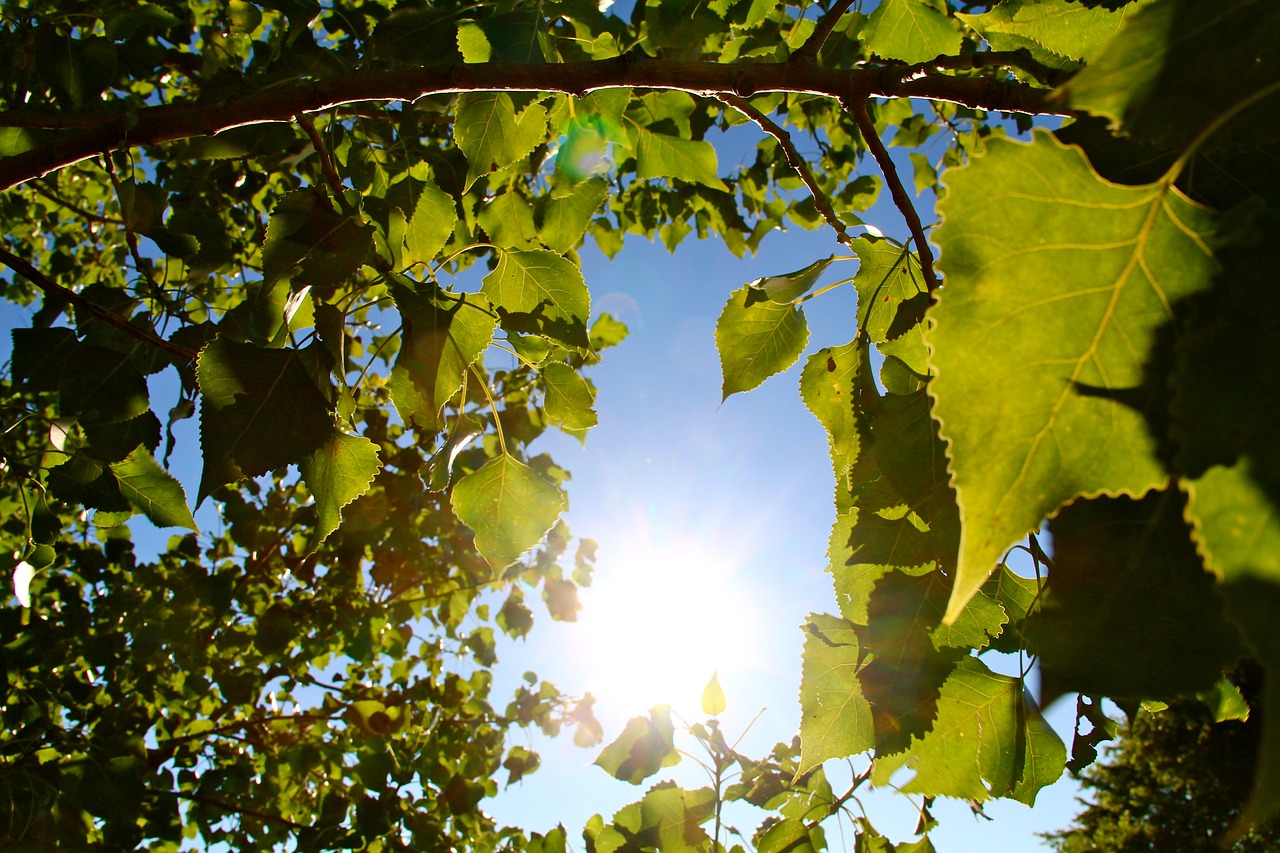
{"x":544,"y":290}
{"x":835,"y":717}
{"x":1070,"y":29}
{"x":911,"y":30}
{"x":789,"y":287}
{"x":645,"y":746}
{"x":488,"y":131}
{"x":661,"y":155}
{"x":568,"y":211}
{"x":713,"y":702}
{"x":429,"y":227}
{"x":508,"y":507}
{"x":311,"y":241}
{"x":569,"y":399}
{"x":1057,"y":284}
{"x":337,"y":473}
{"x":152,"y":490}
{"x":756,"y":338}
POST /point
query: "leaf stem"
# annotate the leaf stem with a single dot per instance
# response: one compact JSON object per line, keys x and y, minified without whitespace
{"x":493,"y":406}
{"x":900,"y":198}
{"x":808,"y":52}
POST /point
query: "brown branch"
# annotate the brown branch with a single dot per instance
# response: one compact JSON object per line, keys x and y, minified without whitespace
{"x":57,"y":291}
{"x":233,"y":809}
{"x":900,"y":198}
{"x":820,"y":199}
{"x":326,"y":162}
{"x":42,"y":190}
{"x":1020,"y":59}
{"x":184,"y":120}
{"x":808,"y":52}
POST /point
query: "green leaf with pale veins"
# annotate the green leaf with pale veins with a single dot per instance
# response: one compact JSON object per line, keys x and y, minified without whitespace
{"x":490,"y":133}
{"x":569,"y":398}
{"x":1063,"y":27}
{"x":835,"y":717}
{"x":336,"y":474}
{"x":911,"y":30}
{"x":544,"y":289}
{"x":756,"y":338}
{"x":152,"y":490}
{"x":260,"y":410}
{"x":661,"y":155}
{"x":429,"y":227}
{"x":644,"y":747}
{"x":567,"y":212}
{"x":508,"y":507}
{"x":1057,"y":284}
{"x":1130,"y":611}
{"x":989,"y":740}
{"x":444,"y":334}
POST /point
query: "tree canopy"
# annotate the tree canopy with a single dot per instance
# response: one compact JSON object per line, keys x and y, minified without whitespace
{"x":315,"y":220}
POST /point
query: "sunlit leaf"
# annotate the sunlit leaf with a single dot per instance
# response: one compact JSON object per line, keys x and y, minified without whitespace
{"x":568,"y":211}
{"x":835,"y":717}
{"x":790,"y":286}
{"x":508,"y":507}
{"x":152,"y":490}
{"x":911,"y":30}
{"x":569,"y":399}
{"x":544,"y":289}
{"x":713,"y":701}
{"x":756,"y":338}
{"x":1060,"y":26}
{"x":661,"y":155}
{"x":337,"y":473}
{"x":645,"y":746}
{"x":490,"y":133}
{"x":429,"y":226}
{"x":1057,"y":286}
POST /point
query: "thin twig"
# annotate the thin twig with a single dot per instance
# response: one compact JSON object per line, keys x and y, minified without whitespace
{"x":131,"y":236}
{"x":820,"y":199}
{"x":808,"y":52}
{"x":42,"y":190}
{"x":57,"y":291}
{"x":326,"y":163}
{"x":240,"y":810}
{"x":900,"y":198}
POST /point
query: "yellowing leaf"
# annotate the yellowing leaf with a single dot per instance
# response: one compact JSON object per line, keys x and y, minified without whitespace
{"x":1057,"y":283}
{"x":713,"y":701}
{"x":508,"y":507}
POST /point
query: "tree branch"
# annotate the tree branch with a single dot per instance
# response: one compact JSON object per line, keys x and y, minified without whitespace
{"x":900,"y":198}
{"x":808,"y":52}
{"x":170,"y":122}
{"x":820,"y":199}
{"x":57,"y":291}
{"x":326,"y":162}
{"x":234,"y":809}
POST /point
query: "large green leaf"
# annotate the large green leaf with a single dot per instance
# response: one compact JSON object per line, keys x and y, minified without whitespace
{"x":836,"y":719}
{"x":490,"y":133}
{"x":541,"y":292}
{"x":569,"y":398}
{"x":1130,"y":612}
{"x":444,"y":334}
{"x":1069,"y":29}
{"x":429,"y":227}
{"x":260,"y":410}
{"x":661,"y":155}
{"x":644,"y":747}
{"x":1058,"y":284}
{"x":567,"y":212}
{"x":312,"y":242}
{"x":756,"y":338}
{"x":337,"y":473}
{"x":989,"y":740}
{"x":911,"y":30}
{"x":152,"y":490}
{"x":94,"y":384}
{"x":508,"y":507}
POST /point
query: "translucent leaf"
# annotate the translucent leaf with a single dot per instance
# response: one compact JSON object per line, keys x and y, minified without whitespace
{"x":713,"y":701}
{"x":508,"y":220}
{"x":508,"y":507}
{"x":644,"y":747}
{"x":989,"y":740}
{"x":489,"y":133}
{"x":544,"y":291}
{"x":569,"y":399}
{"x":568,"y":211}
{"x":429,"y":227}
{"x":888,"y":276}
{"x":1060,"y":26}
{"x":337,"y":473}
{"x":1130,"y":612}
{"x":836,"y":717}
{"x":444,"y":334}
{"x":152,"y":490}
{"x":1057,"y":284}
{"x":789,"y":287}
{"x":911,"y":30}
{"x":661,"y":155}
{"x":756,"y":338}
{"x":260,"y":410}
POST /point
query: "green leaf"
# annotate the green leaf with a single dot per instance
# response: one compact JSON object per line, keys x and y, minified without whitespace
{"x":713,"y":702}
{"x":568,"y":211}
{"x":661,"y":155}
{"x":444,"y":334}
{"x":429,"y":227}
{"x":911,"y":30}
{"x":756,"y":338}
{"x":508,"y":220}
{"x":260,"y":410}
{"x":490,"y":134}
{"x":152,"y":490}
{"x":337,"y":473}
{"x":788,"y":287}
{"x":508,"y":507}
{"x":888,"y":276}
{"x":1130,"y":612}
{"x":543,"y":289}
{"x":312,"y":243}
{"x":836,"y":718}
{"x":989,"y":740}
{"x":569,"y":398}
{"x":1060,"y":26}
{"x":1057,"y":284}
{"x":644,"y":747}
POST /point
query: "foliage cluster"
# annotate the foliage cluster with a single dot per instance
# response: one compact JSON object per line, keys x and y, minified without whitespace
{"x":317,"y":219}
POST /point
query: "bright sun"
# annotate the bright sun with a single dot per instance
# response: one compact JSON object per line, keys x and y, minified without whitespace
{"x":658,"y":622}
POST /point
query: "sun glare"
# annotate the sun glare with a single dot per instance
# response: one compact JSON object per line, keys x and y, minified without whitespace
{"x":658,"y":622}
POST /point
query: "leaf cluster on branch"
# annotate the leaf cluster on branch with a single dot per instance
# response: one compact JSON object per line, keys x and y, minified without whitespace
{"x":319,"y":222}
